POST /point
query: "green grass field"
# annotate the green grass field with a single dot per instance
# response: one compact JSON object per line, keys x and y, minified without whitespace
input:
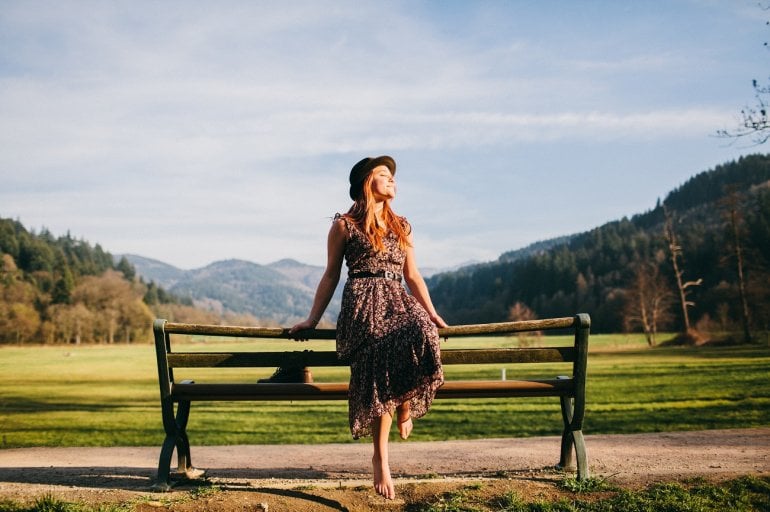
{"x":108,"y":396}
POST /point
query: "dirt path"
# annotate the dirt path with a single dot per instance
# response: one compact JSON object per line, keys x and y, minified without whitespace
{"x":323,"y":477}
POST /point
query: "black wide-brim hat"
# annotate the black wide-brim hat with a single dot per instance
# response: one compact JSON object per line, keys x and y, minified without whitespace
{"x":361,"y":170}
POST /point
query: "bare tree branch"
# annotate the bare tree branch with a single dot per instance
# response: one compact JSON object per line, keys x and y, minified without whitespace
{"x":754,"y":123}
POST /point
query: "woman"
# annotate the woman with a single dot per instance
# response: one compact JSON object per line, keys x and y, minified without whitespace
{"x":389,"y":336}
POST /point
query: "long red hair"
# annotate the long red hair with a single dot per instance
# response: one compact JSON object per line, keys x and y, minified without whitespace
{"x":363,"y":214}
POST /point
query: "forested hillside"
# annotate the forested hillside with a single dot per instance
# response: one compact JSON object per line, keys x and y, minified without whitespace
{"x":622,"y":273}
{"x":65,"y":290}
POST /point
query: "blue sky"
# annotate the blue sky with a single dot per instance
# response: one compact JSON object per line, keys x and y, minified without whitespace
{"x":191,"y":132}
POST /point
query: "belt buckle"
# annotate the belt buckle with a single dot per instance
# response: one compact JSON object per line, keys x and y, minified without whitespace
{"x":390,"y":275}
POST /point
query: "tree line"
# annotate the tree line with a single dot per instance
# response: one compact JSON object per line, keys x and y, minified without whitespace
{"x":64,"y":290}
{"x":696,"y":263}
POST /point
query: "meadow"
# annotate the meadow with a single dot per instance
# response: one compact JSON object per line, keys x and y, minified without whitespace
{"x":103,"y":395}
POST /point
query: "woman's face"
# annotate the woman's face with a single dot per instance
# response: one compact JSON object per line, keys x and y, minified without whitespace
{"x":383,"y":183}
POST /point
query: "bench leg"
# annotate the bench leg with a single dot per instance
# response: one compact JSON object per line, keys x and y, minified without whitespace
{"x":163,"y":480}
{"x":176,"y":437}
{"x":571,"y":438}
{"x":184,"y":462}
{"x":567,"y":441}
{"x":580,"y":454}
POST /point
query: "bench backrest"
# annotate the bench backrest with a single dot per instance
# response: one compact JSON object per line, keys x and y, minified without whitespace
{"x":168,"y":359}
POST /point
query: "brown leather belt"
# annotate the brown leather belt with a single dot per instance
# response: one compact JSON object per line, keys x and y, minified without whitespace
{"x":387,"y":274}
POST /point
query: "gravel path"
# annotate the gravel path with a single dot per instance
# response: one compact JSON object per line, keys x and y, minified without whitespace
{"x":625,"y":459}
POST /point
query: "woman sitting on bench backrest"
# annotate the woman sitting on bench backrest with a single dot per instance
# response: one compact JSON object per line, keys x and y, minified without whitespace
{"x":389,"y":336}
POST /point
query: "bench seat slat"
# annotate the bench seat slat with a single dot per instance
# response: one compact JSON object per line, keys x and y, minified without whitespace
{"x":339,"y":390}
{"x":328,"y":358}
{"x":503,"y":388}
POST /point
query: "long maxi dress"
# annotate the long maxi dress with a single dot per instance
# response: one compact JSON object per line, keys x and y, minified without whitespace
{"x":388,"y":337}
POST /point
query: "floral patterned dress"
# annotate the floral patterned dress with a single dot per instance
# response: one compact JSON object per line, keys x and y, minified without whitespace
{"x":388,"y":337}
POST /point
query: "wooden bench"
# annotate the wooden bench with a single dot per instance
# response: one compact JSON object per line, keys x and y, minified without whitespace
{"x":178,"y":395}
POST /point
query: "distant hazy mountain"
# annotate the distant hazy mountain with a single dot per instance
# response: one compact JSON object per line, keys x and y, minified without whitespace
{"x":533,"y":249}
{"x":282,"y":291}
{"x":300,"y":273}
{"x":432,"y":271}
{"x":163,"y":274}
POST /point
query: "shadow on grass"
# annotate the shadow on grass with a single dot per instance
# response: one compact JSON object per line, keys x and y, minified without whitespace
{"x":22,"y":404}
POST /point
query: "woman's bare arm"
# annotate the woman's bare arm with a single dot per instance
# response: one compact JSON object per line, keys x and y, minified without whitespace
{"x":331,"y":276}
{"x":417,"y":285}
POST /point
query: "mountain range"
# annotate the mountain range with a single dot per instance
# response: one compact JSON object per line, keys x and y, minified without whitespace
{"x":281,"y":292}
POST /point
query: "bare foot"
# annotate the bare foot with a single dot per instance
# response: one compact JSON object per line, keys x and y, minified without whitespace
{"x":383,"y":484}
{"x":405,"y":424}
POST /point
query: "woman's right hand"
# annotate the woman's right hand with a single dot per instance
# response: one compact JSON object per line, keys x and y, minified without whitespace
{"x":300,"y":327}
{"x":438,"y":321}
